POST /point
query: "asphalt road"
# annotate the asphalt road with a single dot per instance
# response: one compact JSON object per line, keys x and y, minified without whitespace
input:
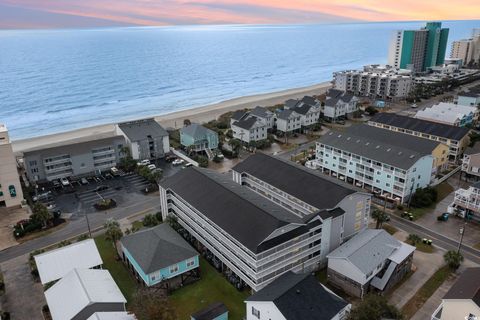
{"x":79,"y":226}
{"x":438,"y":239}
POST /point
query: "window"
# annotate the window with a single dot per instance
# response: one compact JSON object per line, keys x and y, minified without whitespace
{"x":33,"y":163}
{"x":190,"y":262}
{"x":174,"y":268}
{"x":256,"y":312}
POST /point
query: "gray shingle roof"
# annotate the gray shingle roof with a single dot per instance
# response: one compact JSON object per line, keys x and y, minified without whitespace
{"x":335,"y":95}
{"x":466,"y":287}
{"x":304,"y":184}
{"x":140,"y":129}
{"x":284,"y":114}
{"x":396,"y":149}
{"x":367,"y":249}
{"x":242,"y":213}
{"x":211,"y":312}
{"x":423,"y":126}
{"x":261,"y":112}
{"x":239,"y":114}
{"x":303,"y":109}
{"x":473,"y":150}
{"x":300,"y":297}
{"x":197,"y":131}
{"x":157,"y":248}
{"x":246,"y":123}
{"x":309,"y":100}
{"x":291,"y":103}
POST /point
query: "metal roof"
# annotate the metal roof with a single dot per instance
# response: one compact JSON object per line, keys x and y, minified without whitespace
{"x":55,"y":264}
{"x":79,"y":289}
{"x":248,"y":217}
{"x":304,"y":184}
{"x":419,"y":125}
{"x":140,"y":129}
{"x":112,"y":316}
{"x":157,"y":248}
{"x":299,"y":297}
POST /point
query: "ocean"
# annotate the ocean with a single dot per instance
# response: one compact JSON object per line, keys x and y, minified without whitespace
{"x":58,"y":80}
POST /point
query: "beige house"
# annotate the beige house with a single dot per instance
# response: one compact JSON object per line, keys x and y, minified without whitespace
{"x":10,"y":189}
{"x":471,"y":161}
{"x":462,"y":301}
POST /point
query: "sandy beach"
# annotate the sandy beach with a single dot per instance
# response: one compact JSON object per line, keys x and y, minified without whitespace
{"x":171,"y":120}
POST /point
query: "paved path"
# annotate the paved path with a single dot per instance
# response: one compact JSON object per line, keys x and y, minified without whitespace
{"x":24,"y":297}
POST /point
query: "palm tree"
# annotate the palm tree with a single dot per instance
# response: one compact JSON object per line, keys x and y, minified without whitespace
{"x":380,"y":217}
{"x":113,"y":233}
{"x":453,"y":259}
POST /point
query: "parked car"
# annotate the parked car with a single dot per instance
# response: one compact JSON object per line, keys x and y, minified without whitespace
{"x":101,"y":188}
{"x":152,"y":167}
{"x":178,"y":162}
{"x":145,"y":162}
{"x":64,"y":182}
{"x":42,"y":196}
{"x":170,"y":158}
{"x":84,"y":181}
{"x":56,"y":184}
{"x":114,"y":171}
{"x":188,"y":164}
{"x":443,"y":217}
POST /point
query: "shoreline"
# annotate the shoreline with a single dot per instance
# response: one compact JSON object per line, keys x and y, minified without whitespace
{"x":173,"y":119}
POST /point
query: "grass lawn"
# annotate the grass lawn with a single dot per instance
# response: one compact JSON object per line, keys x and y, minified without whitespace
{"x":426,"y":291}
{"x":389,"y":228}
{"x":137,"y":224}
{"x":212,"y":287}
{"x":118,"y":270}
{"x":423,"y":247}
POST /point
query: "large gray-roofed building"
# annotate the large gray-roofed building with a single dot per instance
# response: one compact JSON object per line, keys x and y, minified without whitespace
{"x":304,"y":184}
{"x":368,"y":145}
{"x":140,"y":129}
{"x":157,"y":248}
{"x":419,"y":125}
{"x":466,"y":287}
{"x":247,"y":216}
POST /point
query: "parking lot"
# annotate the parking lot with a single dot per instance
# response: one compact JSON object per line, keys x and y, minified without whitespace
{"x":78,"y":197}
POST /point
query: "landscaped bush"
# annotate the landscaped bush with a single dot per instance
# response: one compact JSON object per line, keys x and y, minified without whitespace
{"x":150,"y":220}
{"x":202,"y":161}
{"x":263,"y":144}
{"x":105,"y":204}
{"x":424,"y":197}
{"x":159,"y":217}
{"x":25,"y":226}
{"x":371,"y":110}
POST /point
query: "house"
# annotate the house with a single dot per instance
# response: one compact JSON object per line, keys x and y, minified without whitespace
{"x":73,"y":158}
{"x":462,"y":301}
{"x":265,"y":115}
{"x":288,"y":121}
{"x":450,"y":114}
{"x":145,"y":138}
{"x":83,"y":292}
{"x":308,"y":108}
{"x":339,"y":104}
{"x":389,"y":164}
{"x":471,"y":161}
{"x":470,"y":97}
{"x":456,"y":138}
{"x":159,"y":255}
{"x":296,"y":297}
{"x":55,"y":264}
{"x":305,"y":192}
{"x":372,"y":260}
{"x":198,"y":138}
{"x":215,"y":311}
{"x":467,"y":202}
{"x":253,"y":237}
{"x":112,"y":316}
{"x":251,"y":126}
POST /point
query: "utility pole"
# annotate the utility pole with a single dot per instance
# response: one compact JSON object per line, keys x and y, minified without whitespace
{"x":411,"y":193}
{"x":462,"y":232}
{"x":88,"y":225}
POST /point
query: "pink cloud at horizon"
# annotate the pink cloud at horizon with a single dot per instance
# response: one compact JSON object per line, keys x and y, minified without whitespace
{"x":18,"y":13}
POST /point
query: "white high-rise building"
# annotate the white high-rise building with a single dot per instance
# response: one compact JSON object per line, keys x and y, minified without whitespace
{"x":467,"y":49}
{"x":10,"y":189}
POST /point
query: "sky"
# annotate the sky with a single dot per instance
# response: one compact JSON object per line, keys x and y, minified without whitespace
{"x":22,"y":14}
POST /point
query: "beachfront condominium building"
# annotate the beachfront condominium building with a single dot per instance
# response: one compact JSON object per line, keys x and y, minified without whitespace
{"x":145,"y":138}
{"x":419,"y":50}
{"x":468,"y":50}
{"x":389,"y":164}
{"x":339,"y":104}
{"x":11,"y":194}
{"x":450,"y":114}
{"x":73,"y":158}
{"x":456,"y":138}
{"x":305,"y":192}
{"x":375,"y":81}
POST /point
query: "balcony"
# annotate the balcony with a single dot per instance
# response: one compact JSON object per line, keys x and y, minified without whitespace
{"x":102,"y":153}
{"x":58,"y":169}
{"x":104,"y":159}
{"x":56,"y":161}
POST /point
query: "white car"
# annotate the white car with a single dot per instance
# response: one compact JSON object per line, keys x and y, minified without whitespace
{"x":143,"y":163}
{"x":114,"y":171}
{"x":64,"y":182}
{"x":177,"y":162}
{"x":152,"y":167}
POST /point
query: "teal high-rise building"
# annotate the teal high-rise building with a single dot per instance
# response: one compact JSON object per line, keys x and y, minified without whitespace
{"x":419,"y":50}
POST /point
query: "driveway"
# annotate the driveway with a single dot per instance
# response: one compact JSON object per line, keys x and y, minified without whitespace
{"x":24,"y":298}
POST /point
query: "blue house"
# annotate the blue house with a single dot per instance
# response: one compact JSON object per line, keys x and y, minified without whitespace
{"x":215,"y":311}
{"x":198,"y":138}
{"x":159,"y":254}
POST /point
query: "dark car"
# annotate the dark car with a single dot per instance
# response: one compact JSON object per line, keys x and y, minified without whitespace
{"x":100,"y":188}
{"x":170,"y":158}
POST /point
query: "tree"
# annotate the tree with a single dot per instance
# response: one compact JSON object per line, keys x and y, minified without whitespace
{"x":186,"y":122}
{"x":380,"y":217}
{"x":41,"y":214}
{"x":152,"y":304}
{"x":371,"y":110}
{"x":113,"y":233}
{"x":453,"y":259}
{"x":150,"y":220}
{"x":127,"y":162}
{"x":235,"y":144}
{"x":374,"y":307}
{"x":414,"y":239}
{"x":173,"y":222}
{"x":424,"y":197}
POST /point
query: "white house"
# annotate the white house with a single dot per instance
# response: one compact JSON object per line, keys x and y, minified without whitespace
{"x":467,"y":201}
{"x":462,"y":301}
{"x":469,"y":98}
{"x":308,"y":108}
{"x":83,"y":292}
{"x":449,"y":113}
{"x":55,"y":264}
{"x":339,"y":104}
{"x":264,"y":114}
{"x":296,"y":297}
{"x":288,"y":120}
{"x":372,"y":260}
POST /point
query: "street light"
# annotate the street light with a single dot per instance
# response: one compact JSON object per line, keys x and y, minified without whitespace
{"x":462,"y":232}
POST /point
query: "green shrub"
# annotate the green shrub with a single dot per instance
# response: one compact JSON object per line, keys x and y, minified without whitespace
{"x":150,"y":220}
{"x":424,"y":197}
